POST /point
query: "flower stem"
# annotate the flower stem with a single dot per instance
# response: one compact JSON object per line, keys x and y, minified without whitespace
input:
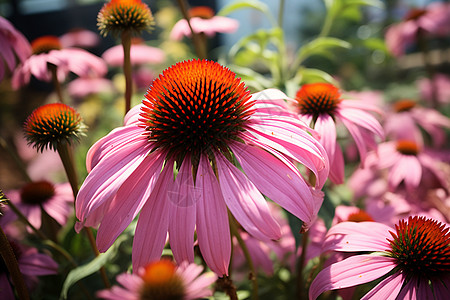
{"x":301,"y":288}
{"x":281,"y":13}
{"x":10,"y":261}
{"x":199,"y":44}
{"x":56,"y":84}
{"x":126,"y":44}
{"x":248,"y":257}
{"x":16,"y":158}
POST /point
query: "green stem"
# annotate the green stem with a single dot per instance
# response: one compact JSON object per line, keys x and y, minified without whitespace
{"x":10,"y":261}
{"x":248,"y":257}
{"x":301,"y":288}
{"x":56,"y":84}
{"x":199,"y":44}
{"x":126,"y":44}
{"x":16,"y":158}
{"x":281,"y":13}
{"x":327,"y":24}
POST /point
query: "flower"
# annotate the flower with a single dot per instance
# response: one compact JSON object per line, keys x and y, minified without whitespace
{"x":55,"y":199}
{"x":12,"y":44}
{"x":53,"y":124}
{"x":438,"y":86}
{"x":31,"y":264}
{"x":415,"y":256}
{"x":48,"y":53}
{"x":409,"y":119}
{"x":140,"y":53}
{"x":196,"y":116}
{"x":79,"y":37}
{"x":432,"y":20}
{"x":407,"y":162}
{"x":162,"y":280}
{"x":82,"y":87}
{"x":120,"y":15}
{"x":321,"y":105}
{"x":203,"y":20}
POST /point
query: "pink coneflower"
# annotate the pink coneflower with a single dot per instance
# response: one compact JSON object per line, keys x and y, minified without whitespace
{"x":409,"y":118}
{"x":83,"y":87}
{"x":431,"y":21}
{"x":55,"y":199}
{"x":139,"y":51}
{"x":48,"y":54}
{"x":203,"y":20}
{"x":321,"y":105}
{"x":162,"y":280}
{"x":438,"y":86}
{"x":12,"y":44}
{"x":200,"y":119}
{"x":416,"y":255}
{"x":31,"y":264}
{"x":406,"y":162}
{"x":81,"y":38}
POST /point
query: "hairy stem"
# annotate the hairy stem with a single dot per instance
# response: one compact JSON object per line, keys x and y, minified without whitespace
{"x":126,"y":44}
{"x":199,"y":43}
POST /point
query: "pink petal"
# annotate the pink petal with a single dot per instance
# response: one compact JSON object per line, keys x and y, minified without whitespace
{"x":129,"y":200}
{"x":388,"y":289}
{"x":5,"y":287}
{"x":337,"y":166}
{"x":326,"y":128}
{"x":183,"y":197}
{"x":278,"y":180}
{"x":245,"y":202}
{"x":33,"y":263}
{"x":407,"y":168}
{"x":151,"y":229}
{"x":352,"y":271}
{"x":213,"y":229}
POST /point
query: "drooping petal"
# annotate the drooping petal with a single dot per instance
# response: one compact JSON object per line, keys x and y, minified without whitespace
{"x":183,"y":197}
{"x":128,"y":201}
{"x":153,"y":223}
{"x":277,"y":179}
{"x":337,"y":166}
{"x":326,"y":128}
{"x":33,"y":263}
{"x":213,"y":229}
{"x":352,"y":271}
{"x":245,"y":202}
{"x":388,"y":289}
{"x":407,"y":168}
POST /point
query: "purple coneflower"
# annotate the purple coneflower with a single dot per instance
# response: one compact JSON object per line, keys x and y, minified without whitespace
{"x":199,"y":121}
{"x":140,"y":53}
{"x":413,"y":259}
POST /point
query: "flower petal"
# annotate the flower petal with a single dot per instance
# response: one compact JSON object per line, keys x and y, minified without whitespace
{"x":388,"y":289}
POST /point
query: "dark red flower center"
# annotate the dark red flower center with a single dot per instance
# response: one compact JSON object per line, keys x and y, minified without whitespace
{"x":415,"y":14}
{"x":204,"y":12}
{"x":38,"y":192}
{"x":360,"y":216}
{"x":407,"y":147}
{"x":318,"y":98}
{"x":195,"y":107}
{"x":45,"y":44}
{"x":421,"y":247}
{"x":404,"y":105}
{"x":161,"y":282}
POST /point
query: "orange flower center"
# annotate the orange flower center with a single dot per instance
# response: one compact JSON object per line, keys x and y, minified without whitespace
{"x":407,"y":147}
{"x":161,"y":282}
{"x":196,"y":107}
{"x":204,"y":12}
{"x":318,"y":98}
{"x":37,"y":192}
{"x":45,"y":44}
{"x":404,"y":105}
{"x":360,"y":216}
{"x":421,"y":248}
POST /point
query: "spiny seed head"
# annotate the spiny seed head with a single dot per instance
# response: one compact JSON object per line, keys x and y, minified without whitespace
{"x":52,"y":125}
{"x":407,"y":147}
{"x":318,"y":98}
{"x":360,"y":216}
{"x":204,"y":12}
{"x":195,"y":107}
{"x":161,"y":282}
{"x":421,"y":248}
{"x":38,"y":192}
{"x":45,"y":44}
{"x":119,"y":15}
{"x":404,"y":105}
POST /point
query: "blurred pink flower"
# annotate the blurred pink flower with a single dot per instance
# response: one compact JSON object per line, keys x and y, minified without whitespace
{"x":432,"y":20}
{"x":12,"y":45}
{"x":140,"y":54}
{"x":81,"y":38}
{"x":84,"y":86}
{"x":142,"y":76}
{"x":132,"y":168}
{"x":415,"y":257}
{"x":203,"y":20}
{"x":162,"y":280}
{"x":438,"y":86}
{"x":48,"y":51}
{"x":408,"y":119}
{"x":55,"y":199}
{"x":406,"y":162}
{"x":31,"y":264}
{"x":321,"y":105}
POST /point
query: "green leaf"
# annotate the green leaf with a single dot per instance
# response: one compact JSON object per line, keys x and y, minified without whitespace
{"x":374,"y":3}
{"x":321,"y":46}
{"x":93,"y":266}
{"x":238,"y":5}
{"x":309,"y":75}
